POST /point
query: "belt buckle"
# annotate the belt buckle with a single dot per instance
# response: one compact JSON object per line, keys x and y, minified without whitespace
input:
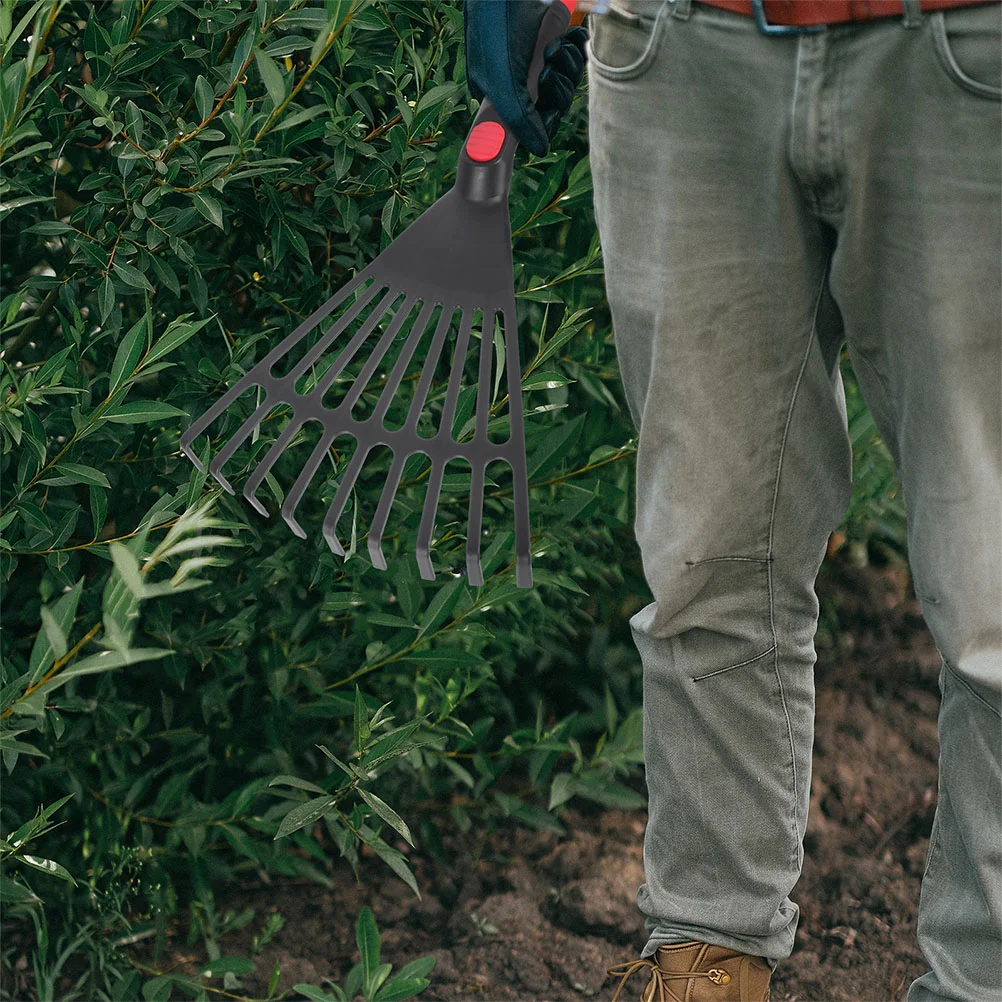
{"x":781,"y":29}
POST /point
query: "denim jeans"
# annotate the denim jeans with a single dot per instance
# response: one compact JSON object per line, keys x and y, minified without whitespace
{"x":760,"y":202}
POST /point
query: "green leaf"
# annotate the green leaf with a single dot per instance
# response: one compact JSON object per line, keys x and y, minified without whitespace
{"x":61,"y":613}
{"x":299,"y":784}
{"x":271,"y":76}
{"x":547,"y":380}
{"x":158,"y":989}
{"x":305,"y":814}
{"x":106,"y":297}
{"x":401,"y":988}
{"x":127,"y":567}
{"x":127,"y":357}
{"x":107,"y":660}
{"x":227,"y":965}
{"x":396,"y":861}
{"x":49,"y":866}
{"x":209,"y":207}
{"x":387,"y":813}
{"x":131,"y":276}
{"x":76,"y":473}
{"x":203,"y":97}
{"x":55,"y":633}
{"x":315,"y":994}
{"x":176,"y":334}
{"x":142,"y":412}
{"x":13,"y":893}
{"x":361,"y":719}
{"x":367,"y":938}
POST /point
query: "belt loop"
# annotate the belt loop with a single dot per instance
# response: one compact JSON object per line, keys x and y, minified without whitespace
{"x":682,"y":9}
{"x":913,"y":13}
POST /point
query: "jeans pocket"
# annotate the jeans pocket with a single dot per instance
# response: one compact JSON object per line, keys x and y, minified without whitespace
{"x":968,"y":43}
{"x":624,"y":42}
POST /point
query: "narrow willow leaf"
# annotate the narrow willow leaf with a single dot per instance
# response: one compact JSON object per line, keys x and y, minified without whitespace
{"x":142,"y":412}
{"x":299,"y":784}
{"x":127,"y":567}
{"x":175,"y":336}
{"x":131,"y":276}
{"x":75,"y":473}
{"x":387,"y":813}
{"x":203,"y":97}
{"x":107,"y":660}
{"x":209,"y":208}
{"x":62,"y":611}
{"x":367,"y":938}
{"x":396,"y":861}
{"x":106,"y":297}
{"x":271,"y":76}
{"x":304,"y":814}
{"x":55,"y":633}
{"x":13,"y":893}
{"x":130,"y":348}
{"x":48,"y":866}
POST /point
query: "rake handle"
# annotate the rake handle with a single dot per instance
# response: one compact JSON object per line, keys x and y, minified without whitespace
{"x":483,"y":173}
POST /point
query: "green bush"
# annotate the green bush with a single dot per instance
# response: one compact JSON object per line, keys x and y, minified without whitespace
{"x":189,"y":692}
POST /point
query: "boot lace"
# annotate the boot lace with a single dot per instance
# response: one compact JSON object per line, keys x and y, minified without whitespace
{"x":630,"y":967}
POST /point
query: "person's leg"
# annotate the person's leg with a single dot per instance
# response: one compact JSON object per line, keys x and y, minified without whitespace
{"x":917,"y":276}
{"x":728,"y":350}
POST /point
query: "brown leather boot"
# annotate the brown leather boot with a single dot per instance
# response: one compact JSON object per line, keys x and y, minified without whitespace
{"x":699,"y":972}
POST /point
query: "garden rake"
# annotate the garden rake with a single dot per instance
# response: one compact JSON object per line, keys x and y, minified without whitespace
{"x":456,"y":255}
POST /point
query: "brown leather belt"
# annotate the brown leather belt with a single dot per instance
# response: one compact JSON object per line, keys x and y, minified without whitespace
{"x":812,"y":12}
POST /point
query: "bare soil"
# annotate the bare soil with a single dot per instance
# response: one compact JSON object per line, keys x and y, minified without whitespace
{"x":527,"y":915}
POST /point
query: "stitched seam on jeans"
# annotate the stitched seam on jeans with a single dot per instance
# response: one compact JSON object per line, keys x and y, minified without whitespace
{"x":758,"y":657}
{"x":962,"y":681}
{"x":772,"y":522}
{"x":710,"y":560}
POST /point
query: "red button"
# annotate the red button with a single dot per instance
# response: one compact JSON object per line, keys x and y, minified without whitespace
{"x":485,"y":141}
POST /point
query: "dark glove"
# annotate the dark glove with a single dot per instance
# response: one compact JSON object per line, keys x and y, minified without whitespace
{"x":500,"y":40}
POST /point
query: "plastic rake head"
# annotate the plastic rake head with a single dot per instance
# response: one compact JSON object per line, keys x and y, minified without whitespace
{"x":456,"y":256}
{"x":431,"y":260}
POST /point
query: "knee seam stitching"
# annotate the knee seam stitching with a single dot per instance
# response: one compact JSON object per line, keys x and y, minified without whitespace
{"x":710,"y":560}
{"x":699,"y":678}
{"x":772,"y":522}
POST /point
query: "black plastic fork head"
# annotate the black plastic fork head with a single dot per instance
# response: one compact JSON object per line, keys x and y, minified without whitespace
{"x":457,"y":256}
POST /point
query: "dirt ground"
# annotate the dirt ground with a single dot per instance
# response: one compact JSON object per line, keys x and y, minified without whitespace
{"x":535,"y":916}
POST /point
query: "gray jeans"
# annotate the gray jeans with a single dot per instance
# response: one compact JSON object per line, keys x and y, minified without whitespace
{"x":761,"y":201}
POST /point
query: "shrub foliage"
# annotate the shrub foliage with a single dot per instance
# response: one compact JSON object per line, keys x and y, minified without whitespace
{"x":189,"y":692}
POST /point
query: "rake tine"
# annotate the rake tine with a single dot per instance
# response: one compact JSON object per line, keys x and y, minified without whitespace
{"x":242,"y":433}
{"x":427,"y":371}
{"x":307,"y":474}
{"x":438,"y":468}
{"x":376,"y":356}
{"x":383,"y":512}
{"x":338,"y":328}
{"x":341,"y":498}
{"x":428,"y":520}
{"x":400,"y":366}
{"x":478,"y":470}
{"x":456,"y":375}
{"x":243,"y":384}
{"x":269,"y":460}
{"x":474,"y":572}
{"x":517,"y":462}
{"x":198,"y":426}
{"x":290,"y":340}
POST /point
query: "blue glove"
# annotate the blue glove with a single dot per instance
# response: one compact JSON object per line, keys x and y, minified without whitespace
{"x":500,"y":39}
